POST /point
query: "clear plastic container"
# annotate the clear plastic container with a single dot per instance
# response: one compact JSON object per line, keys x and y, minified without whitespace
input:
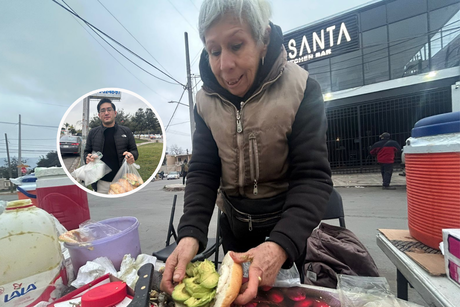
{"x":113,"y":247}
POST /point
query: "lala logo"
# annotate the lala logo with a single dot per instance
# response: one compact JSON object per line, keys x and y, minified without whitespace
{"x":19,"y":291}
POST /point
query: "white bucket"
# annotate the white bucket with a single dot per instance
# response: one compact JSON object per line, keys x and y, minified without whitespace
{"x":31,"y":262}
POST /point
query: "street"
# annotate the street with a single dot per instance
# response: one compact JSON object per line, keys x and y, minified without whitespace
{"x":366,"y":210}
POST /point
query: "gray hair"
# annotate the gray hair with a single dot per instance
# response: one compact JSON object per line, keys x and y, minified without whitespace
{"x":256,"y":13}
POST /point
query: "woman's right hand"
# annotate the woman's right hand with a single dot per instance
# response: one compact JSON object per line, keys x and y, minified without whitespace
{"x":177,"y":263}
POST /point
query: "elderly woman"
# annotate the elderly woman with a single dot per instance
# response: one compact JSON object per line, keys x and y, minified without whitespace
{"x":261,"y":136}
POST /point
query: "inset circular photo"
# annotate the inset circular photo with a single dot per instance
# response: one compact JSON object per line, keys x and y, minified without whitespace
{"x":111,"y":142}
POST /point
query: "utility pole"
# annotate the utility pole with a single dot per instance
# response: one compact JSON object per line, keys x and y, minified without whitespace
{"x":84,"y":128}
{"x":9,"y":162}
{"x":19,"y":144}
{"x":189,"y":88}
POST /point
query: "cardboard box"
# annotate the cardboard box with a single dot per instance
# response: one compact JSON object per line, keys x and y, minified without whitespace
{"x":451,"y":240}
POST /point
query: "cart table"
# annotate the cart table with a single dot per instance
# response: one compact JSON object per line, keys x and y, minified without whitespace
{"x":435,"y":290}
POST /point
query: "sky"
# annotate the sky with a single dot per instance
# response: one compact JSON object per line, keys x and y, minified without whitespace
{"x":48,"y":59}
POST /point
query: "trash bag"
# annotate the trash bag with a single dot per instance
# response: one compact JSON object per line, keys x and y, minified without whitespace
{"x":126,"y":179}
{"x":93,"y":171}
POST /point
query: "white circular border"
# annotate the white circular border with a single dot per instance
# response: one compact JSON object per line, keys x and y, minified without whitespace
{"x":62,"y":161}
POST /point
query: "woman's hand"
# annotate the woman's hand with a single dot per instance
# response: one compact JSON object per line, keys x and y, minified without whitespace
{"x":177,"y":263}
{"x":266,"y":261}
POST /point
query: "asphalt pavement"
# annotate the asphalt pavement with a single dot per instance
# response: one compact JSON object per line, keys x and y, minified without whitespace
{"x":367,"y":208}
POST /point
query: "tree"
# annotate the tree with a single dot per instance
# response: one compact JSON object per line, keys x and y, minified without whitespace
{"x":72,"y":130}
{"x":51,"y":159}
{"x":175,"y":150}
{"x":151,"y":122}
{"x":138,"y":120}
{"x":15,"y":172}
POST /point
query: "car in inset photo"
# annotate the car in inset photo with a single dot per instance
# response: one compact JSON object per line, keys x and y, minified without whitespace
{"x":70,"y":144}
{"x":173,"y":175}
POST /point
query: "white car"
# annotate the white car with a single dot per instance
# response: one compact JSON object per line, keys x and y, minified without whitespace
{"x":173,"y":175}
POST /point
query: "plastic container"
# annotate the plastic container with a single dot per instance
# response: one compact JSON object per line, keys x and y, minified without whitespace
{"x":28,"y":191}
{"x":432,"y":157}
{"x":58,"y":195}
{"x":113,"y":247}
{"x":31,"y":266}
{"x":107,"y":295}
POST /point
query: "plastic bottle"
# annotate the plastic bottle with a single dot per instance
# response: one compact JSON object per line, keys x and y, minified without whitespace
{"x":31,"y":262}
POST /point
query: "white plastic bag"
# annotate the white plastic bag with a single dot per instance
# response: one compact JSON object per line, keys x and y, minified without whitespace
{"x":363,"y":291}
{"x":93,"y":171}
{"x":126,"y":179}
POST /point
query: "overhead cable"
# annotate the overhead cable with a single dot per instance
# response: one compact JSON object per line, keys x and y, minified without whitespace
{"x":172,"y":116}
{"x":118,"y":43}
{"x":132,"y":35}
{"x":114,"y":56}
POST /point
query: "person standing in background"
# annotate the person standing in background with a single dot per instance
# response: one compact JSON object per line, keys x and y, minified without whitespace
{"x":184,"y":171}
{"x":385,"y":150}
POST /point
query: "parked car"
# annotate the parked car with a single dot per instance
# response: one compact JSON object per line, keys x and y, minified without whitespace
{"x":70,"y":144}
{"x":173,"y":175}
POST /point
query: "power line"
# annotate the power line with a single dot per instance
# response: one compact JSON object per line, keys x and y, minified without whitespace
{"x":121,"y":52}
{"x":194,"y":5}
{"x":22,"y":124}
{"x":121,"y":45}
{"x":132,"y":35}
{"x":193,"y":27}
{"x":114,"y":56}
{"x":180,"y":124}
{"x":175,"y":109}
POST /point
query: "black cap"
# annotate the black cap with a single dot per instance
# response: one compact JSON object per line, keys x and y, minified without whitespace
{"x":385,"y":135}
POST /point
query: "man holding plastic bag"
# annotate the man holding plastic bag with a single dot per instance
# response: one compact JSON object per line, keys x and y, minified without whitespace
{"x":114,"y":141}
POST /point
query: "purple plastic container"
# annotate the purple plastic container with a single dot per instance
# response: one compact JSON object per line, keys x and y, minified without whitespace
{"x":113,"y":247}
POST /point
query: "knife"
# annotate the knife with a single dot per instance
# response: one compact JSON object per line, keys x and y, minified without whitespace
{"x":143,"y":287}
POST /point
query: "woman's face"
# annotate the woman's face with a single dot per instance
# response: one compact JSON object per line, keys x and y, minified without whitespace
{"x":233,"y":54}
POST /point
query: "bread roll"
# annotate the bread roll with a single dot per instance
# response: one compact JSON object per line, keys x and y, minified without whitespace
{"x":117,"y":188}
{"x":230,"y":280}
{"x":125,"y":184}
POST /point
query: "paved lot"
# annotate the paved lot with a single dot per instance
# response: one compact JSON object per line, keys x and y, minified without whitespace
{"x":366,"y":208}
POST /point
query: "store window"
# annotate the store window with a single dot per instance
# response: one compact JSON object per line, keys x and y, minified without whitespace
{"x":403,"y":9}
{"x":347,"y":71}
{"x":408,"y":47}
{"x":373,"y":18}
{"x":435,"y":4}
{"x":445,"y":40}
{"x":375,"y":55}
{"x":321,"y":72}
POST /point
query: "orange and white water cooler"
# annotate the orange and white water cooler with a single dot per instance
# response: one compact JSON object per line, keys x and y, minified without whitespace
{"x":61,"y":197}
{"x":432,"y":156}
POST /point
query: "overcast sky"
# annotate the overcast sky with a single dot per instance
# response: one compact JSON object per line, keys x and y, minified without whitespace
{"x":48,"y":60}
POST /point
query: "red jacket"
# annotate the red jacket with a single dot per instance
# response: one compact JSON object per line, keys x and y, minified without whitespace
{"x":385,"y":151}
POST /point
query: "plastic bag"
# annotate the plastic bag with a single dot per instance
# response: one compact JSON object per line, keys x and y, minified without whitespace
{"x":286,"y":277}
{"x":130,"y":266}
{"x":93,"y":171}
{"x":2,"y":206}
{"x":88,"y":232}
{"x":126,"y":179}
{"x":359,"y":291}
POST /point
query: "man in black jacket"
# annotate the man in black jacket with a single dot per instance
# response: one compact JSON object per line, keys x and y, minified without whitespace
{"x":114,"y":141}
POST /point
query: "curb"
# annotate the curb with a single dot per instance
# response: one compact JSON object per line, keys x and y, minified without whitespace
{"x":74,"y":164}
{"x":175,"y":187}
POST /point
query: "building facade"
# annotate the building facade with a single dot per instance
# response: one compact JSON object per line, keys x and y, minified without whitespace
{"x":382,"y":67}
